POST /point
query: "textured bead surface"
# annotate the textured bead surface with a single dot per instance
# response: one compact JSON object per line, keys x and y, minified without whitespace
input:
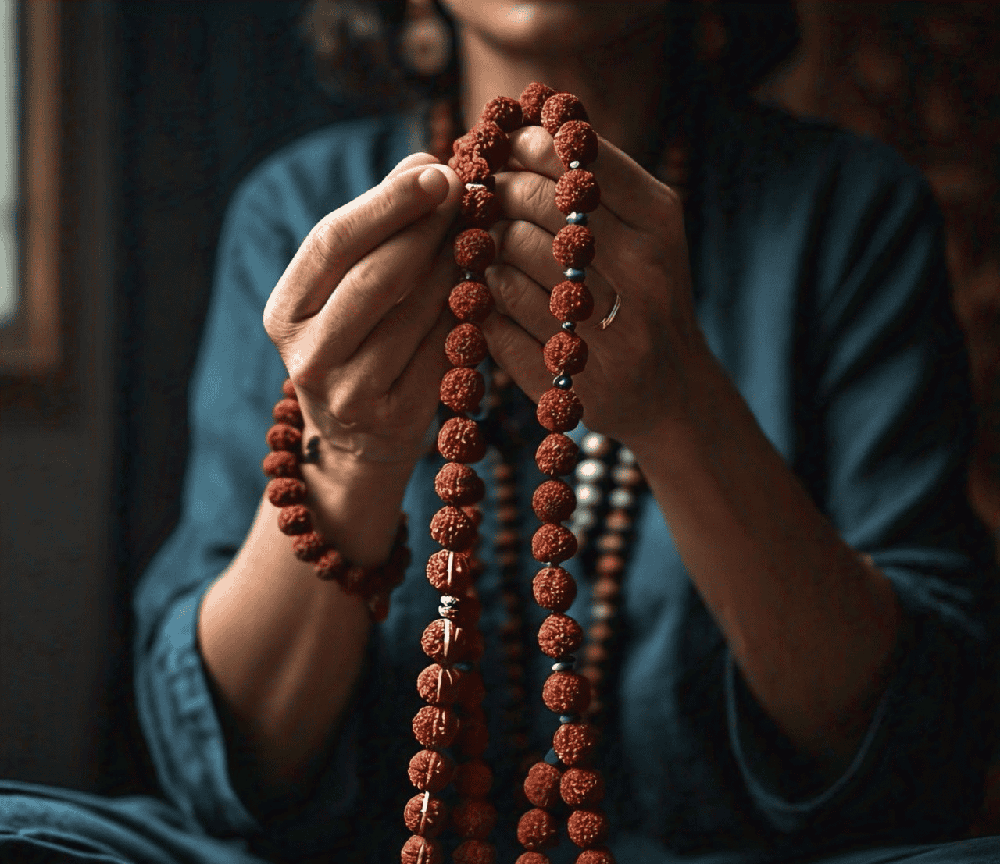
{"x":441,"y":650}
{"x":474,"y":818}
{"x":462,"y":389}
{"x":503,"y":111}
{"x":537,"y":829}
{"x":438,"y":685}
{"x":565,"y":354}
{"x":473,"y":779}
{"x":470,"y":301}
{"x":281,"y":436}
{"x":419,"y":850}
{"x":574,"y":743}
{"x":581,"y":787}
{"x":471,"y":169}
{"x":474,"y":250}
{"x":487,"y":141}
{"x":559,"y":636}
{"x":587,"y":828}
{"x":560,"y":108}
{"x":480,"y":207}
{"x":330,"y":565}
{"x":453,"y":529}
{"x":431,"y":770}
{"x":601,"y":855}
{"x":571,"y":301}
{"x":288,"y":411}
{"x":566,"y":693}
{"x":461,"y":572}
{"x":574,"y":246}
{"x":281,"y":463}
{"x":465,"y":345}
{"x":576,"y":141}
{"x":294,"y":519}
{"x":554,"y":589}
{"x":577,"y":192}
{"x":553,"y":501}
{"x":461,"y":440}
{"x":532,"y":858}
{"x":288,"y":389}
{"x":559,"y":410}
{"x":532,"y":99}
{"x":458,"y":484}
{"x":435,"y":726}
{"x":425,"y":819}
{"x":553,"y":544}
{"x":557,"y":455}
{"x":282,"y":491}
{"x":541,"y":786}
{"x":474,"y":852}
{"x":309,"y":546}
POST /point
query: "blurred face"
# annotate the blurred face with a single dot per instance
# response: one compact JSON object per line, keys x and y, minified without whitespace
{"x":558,"y":25}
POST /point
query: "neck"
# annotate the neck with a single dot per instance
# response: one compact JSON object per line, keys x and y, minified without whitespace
{"x":622,"y":99}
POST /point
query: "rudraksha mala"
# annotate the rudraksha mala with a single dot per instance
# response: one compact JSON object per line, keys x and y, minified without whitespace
{"x":452,"y":642}
{"x":287,"y":490}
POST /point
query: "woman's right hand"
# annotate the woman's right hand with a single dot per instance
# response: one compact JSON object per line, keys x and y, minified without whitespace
{"x":360,"y":316}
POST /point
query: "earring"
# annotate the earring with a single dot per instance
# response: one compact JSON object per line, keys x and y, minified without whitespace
{"x":425,"y":42}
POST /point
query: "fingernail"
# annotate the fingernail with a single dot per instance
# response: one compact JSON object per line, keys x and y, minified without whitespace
{"x":434,"y":183}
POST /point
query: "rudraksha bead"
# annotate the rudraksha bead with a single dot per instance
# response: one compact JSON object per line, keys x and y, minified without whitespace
{"x":576,"y":141}
{"x":587,"y":828}
{"x":532,"y":858}
{"x":581,"y":787}
{"x":470,"y":301}
{"x":600,"y":855}
{"x":565,"y":354}
{"x":452,"y":529}
{"x":488,"y":141}
{"x":574,"y":246}
{"x":461,"y":572}
{"x":419,"y":850}
{"x":465,"y":345}
{"x":462,"y":389}
{"x":560,"y":108}
{"x":505,"y":112}
{"x":554,"y":589}
{"x":471,"y":169}
{"x":480,"y":207}
{"x":309,"y":546}
{"x":458,"y":484}
{"x":330,"y":566}
{"x":435,"y":726}
{"x":430,"y":770}
{"x":281,"y":436}
{"x":461,"y":440}
{"x":281,"y":463}
{"x":571,"y":301}
{"x":288,"y":411}
{"x":474,"y":818}
{"x":553,"y":544}
{"x":557,"y":455}
{"x":559,"y":410}
{"x":559,"y":636}
{"x":439,"y":685}
{"x":473,"y":779}
{"x":541,"y":786}
{"x":577,"y":192}
{"x":474,"y":852}
{"x":474,"y":250}
{"x":537,"y":829}
{"x":553,"y":501}
{"x":282,"y":491}
{"x":294,"y":519}
{"x":566,"y":693}
{"x":453,"y":649}
{"x":532,"y":99}
{"x":425,"y":815}
{"x":574,"y":744}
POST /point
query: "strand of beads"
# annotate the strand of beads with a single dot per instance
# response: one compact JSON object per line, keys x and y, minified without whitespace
{"x":566,"y":692}
{"x":286,"y":490}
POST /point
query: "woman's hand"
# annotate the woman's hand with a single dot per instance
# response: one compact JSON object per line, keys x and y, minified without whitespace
{"x":635,"y":374}
{"x":360,"y":317}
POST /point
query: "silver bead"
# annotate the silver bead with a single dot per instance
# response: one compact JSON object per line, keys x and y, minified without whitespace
{"x":595,"y":444}
{"x":588,"y":495}
{"x":622,"y":499}
{"x":626,"y":456}
{"x":563,"y":666}
{"x":574,"y":164}
{"x":591,"y":470}
{"x":584,"y":517}
{"x":575,"y":218}
{"x":574,"y":274}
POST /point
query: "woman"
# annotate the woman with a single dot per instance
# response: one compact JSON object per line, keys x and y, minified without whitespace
{"x":806,"y":598}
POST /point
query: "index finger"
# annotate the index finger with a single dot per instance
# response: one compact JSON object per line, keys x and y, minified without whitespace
{"x":634,"y":195}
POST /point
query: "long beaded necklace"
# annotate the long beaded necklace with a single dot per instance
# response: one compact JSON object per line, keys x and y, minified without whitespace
{"x":453,"y":718}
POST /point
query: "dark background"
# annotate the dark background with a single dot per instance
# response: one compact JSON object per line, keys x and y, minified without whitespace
{"x":169,"y":104}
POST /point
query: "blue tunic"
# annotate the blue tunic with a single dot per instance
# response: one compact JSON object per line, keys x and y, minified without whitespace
{"x":821,"y":286}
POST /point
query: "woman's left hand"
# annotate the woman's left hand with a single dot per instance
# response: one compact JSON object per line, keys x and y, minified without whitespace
{"x":635,"y":376}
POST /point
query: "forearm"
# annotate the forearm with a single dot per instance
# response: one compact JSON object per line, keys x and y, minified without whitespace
{"x":283,"y":649}
{"x":811,"y":626}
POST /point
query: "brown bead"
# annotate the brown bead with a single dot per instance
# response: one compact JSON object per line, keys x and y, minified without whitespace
{"x":606,"y":589}
{"x":330,"y":566}
{"x":577,"y":192}
{"x":439,"y":685}
{"x":281,"y":436}
{"x":537,"y":829}
{"x":435,"y":726}
{"x":488,"y":141}
{"x":288,"y":411}
{"x":532,"y":99}
{"x":581,"y":787}
{"x":480,"y":207}
{"x":470,"y":301}
{"x":559,"y":636}
{"x":559,"y":410}
{"x":458,"y":484}
{"x":560,"y":108}
{"x":471,"y":169}
{"x":611,"y":566}
{"x":282,"y":491}
{"x":288,"y":389}
{"x":576,"y":141}
{"x":419,"y":850}
{"x":461,"y":574}
{"x":553,"y":501}
{"x":461,"y":440}
{"x":473,"y":739}
{"x":532,"y":858}
{"x":309,"y":546}
{"x":566,"y":693}
{"x":618,"y":520}
{"x":574,"y":743}
{"x":473,"y":779}
{"x":565,"y":354}
{"x":281,"y":463}
{"x":587,"y":828}
{"x":611,"y":543}
{"x":557,"y":455}
{"x":600,"y":855}
{"x":574,"y":246}
{"x":294,"y":519}
{"x":474,"y":818}
{"x":453,"y":529}
{"x":474,"y":250}
{"x":541,"y":786}
{"x":462,"y":390}
{"x":426,"y":819}
{"x":472,"y":691}
{"x":431,"y":770}
{"x":554,"y":589}
{"x":465,"y":345}
{"x":571,"y":301}
{"x":474,"y":852}
{"x":454,"y":649}
{"x":553,"y":544}
{"x":503,"y":111}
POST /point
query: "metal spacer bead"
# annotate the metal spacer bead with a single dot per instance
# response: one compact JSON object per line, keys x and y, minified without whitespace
{"x":574,"y":164}
{"x":575,"y":218}
{"x":569,"y":326}
{"x":551,"y":758}
{"x":574,"y":274}
{"x":569,"y":718}
{"x":562,"y":666}
{"x":563,"y":382}
{"x":622,"y":499}
{"x":469,"y":275}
